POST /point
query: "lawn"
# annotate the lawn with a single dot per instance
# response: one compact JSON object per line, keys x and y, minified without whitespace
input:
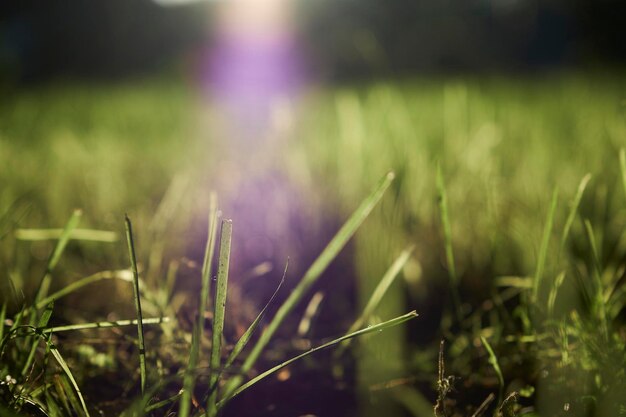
{"x":503,"y":226}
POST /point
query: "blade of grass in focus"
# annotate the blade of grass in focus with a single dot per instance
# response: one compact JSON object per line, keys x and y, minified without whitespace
{"x":190,"y":375}
{"x":218,"y":314}
{"x":370,"y":329}
{"x":311,"y":275}
{"x":133,"y":263}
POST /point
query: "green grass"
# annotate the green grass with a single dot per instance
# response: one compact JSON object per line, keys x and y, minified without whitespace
{"x":477,"y":160}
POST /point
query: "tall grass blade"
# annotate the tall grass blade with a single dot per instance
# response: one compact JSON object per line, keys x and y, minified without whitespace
{"x":493,"y":361}
{"x":371,"y":329}
{"x":190,"y":375}
{"x":133,"y":263}
{"x":447,"y":233}
{"x":208,"y":259}
{"x":543,"y":250}
{"x":72,"y":223}
{"x":573,"y":209}
{"x":218,"y":315}
{"x":311,"y":275}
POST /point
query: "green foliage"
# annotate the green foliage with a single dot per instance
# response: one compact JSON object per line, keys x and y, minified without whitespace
{"x":477,"y":163}
{"x":68,"y":394}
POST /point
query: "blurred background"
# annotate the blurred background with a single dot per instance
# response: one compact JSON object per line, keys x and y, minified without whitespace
{"x":343,"y":40}
{"x":292,"y":110}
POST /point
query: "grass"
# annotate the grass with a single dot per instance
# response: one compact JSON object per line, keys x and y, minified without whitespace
{"x":505,"y":269}
{"x":137,"y":298}
{"x":234,"y":385}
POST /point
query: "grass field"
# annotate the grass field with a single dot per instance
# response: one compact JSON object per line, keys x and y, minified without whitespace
{"x":506,"y":221}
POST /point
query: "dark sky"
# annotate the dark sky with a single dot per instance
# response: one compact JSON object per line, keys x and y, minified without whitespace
{"x":41,"y":40}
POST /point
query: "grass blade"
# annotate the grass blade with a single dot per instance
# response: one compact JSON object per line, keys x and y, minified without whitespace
{"x":311,"y":275}
{"x":190,"y":375}
{"x":72,"y":223}
{"x":67,"y":371}
{"x":371,"y":329}
{"x":218,"y":315}
{"x":598,"y":296}
{"x":378,"y":294}
{"x":310,"y":312}
{"x":243,"y":340}
{"x":493,"y":361}
{"x":43,"y":322}
{"x":122,"y":274}
{"x":573,"y":209}
{"x":163,"y":403}
{"x":553,"y":293}
{"x":77,"y":234}
{"x":208,"y":257}
{"x":483,"y":407}
{"x":133,"y":263}
{"x":595,"y":255}
{"x":53,"y":408}
{"x":61,"y":393}
{"x":543,"y":250}
{"x":104,"y":325}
